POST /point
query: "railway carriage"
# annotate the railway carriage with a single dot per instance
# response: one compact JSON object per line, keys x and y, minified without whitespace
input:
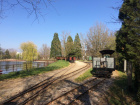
{"x":103,"y":66}
{"x":70,"y":59}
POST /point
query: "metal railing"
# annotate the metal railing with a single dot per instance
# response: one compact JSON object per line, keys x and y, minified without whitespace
{"x":24,"y":66}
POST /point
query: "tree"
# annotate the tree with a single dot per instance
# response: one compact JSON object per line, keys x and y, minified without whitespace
{"x":2,"y":51}
{"x":13,"y":53}
{"x":29,"y":51}
{"x":7,"y":54}
{"x":77,"y":46}
{"x":98,"y":39}
{"x":55,"y":46}
{"x":63,"y":42}
{"x":111,"y":43}
{"x":45,"y":52}
{"x":31,"y":6}
{"x":128,"y":37}
{"x":70,"y":47}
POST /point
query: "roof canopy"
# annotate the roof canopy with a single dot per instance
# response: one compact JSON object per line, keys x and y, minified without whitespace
{"x":107,"y":52}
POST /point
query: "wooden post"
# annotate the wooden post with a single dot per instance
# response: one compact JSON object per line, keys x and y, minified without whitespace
{"x":129,"y":75}
{"x":13,"y":67}
{"x":92,"y":63}
{"x":26,"y":67}
{"x":125,"y":65}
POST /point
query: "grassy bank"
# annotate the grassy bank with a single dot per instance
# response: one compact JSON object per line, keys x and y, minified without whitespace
{"x":118,"y":93}
{"x":24,"y":73}
{"x":84,"y":76}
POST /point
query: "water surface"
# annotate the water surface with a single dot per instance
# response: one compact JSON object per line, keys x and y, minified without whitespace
{"x":13,"y":66}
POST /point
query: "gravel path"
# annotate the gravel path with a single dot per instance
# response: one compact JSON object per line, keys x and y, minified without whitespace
{"x":12,"y":87}
{"x":94,"y":97}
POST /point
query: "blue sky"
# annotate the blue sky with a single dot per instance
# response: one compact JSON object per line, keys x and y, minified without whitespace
{"x":75,"y":16}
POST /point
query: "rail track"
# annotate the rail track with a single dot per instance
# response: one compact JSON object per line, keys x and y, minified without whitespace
{"x":29,"y":94}
{"x":69,"y":97}
{"x":40,"y":84}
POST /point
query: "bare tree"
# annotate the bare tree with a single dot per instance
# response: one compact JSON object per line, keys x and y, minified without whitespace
{"x":97,"y":39}
{"x":64,"y":36}
{"x":84,"y":45}
{"x":111,"y":43}
{"x":13,"y":53}
{"x":35,"y":7}
{"x":44,"y":52}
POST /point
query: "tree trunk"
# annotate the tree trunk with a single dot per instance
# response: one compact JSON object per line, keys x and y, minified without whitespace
{"x":129,"y":75}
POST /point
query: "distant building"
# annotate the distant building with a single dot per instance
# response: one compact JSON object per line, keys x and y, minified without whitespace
{"x":19,"y":55}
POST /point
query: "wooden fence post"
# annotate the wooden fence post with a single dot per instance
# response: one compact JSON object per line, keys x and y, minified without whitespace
{"x":13,"y":67}
{"x":125,"y":65}
{"x":26,"y":67}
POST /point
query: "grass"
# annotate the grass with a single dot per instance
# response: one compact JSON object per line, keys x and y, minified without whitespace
{"x":84,"y":76}
{"x":118,"y":92}
{"x":24,"y":73}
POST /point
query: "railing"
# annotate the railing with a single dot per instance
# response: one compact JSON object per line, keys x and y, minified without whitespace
{"x":24,"y":66}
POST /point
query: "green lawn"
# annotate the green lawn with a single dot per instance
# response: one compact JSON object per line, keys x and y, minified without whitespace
{"x":84,"y":76}
{"x":24,"y":73}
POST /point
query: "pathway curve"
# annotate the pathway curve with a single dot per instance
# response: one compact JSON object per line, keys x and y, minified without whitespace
{"x":12,"y":87}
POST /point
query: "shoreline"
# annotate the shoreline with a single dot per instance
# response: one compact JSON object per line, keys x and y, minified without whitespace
{"x":14,"y":60}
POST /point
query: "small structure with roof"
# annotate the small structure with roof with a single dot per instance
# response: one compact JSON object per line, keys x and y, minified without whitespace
{"x":103,"y":66}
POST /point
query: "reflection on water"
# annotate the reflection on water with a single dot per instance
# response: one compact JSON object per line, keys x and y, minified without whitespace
{"x":8,"y":66}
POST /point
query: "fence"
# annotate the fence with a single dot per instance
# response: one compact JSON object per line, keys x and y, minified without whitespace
{"x":24,"y":66}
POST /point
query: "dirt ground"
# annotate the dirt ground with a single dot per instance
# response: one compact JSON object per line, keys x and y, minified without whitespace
{"x":115,"y":74}
{"x":12,"y":87}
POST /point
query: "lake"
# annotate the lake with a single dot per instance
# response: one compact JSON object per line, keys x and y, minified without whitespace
{"x":13,"y":66}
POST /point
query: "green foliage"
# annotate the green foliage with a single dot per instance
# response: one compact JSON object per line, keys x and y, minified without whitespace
{"x":84,"y":76}
{"x":77,"y":46}
{"x":29,"y":51}
{"x":138,"y":94}
{"x":24,"y":73}
{"x":70,"y":47}
{"x":128,"y":37}
{"x":55,"y":46}
{"x":7,"y":55}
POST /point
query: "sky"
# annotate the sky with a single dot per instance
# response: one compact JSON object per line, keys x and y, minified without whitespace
{"x":74,"y":16}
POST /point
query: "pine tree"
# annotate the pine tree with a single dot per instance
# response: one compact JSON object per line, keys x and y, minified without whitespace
{"x":70,"y":47}
{"x":77,"y":46}
{"x":55,"y":46}
{"x":7,"y":54}
{"x":128,"y":37}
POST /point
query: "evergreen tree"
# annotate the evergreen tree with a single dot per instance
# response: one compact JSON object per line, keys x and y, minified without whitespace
{"x":77,"y":46}
{"x":70,"y":47}
{"x":128,"y":37}
{"x":7,"y":55}
{"x":55,"y":46}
